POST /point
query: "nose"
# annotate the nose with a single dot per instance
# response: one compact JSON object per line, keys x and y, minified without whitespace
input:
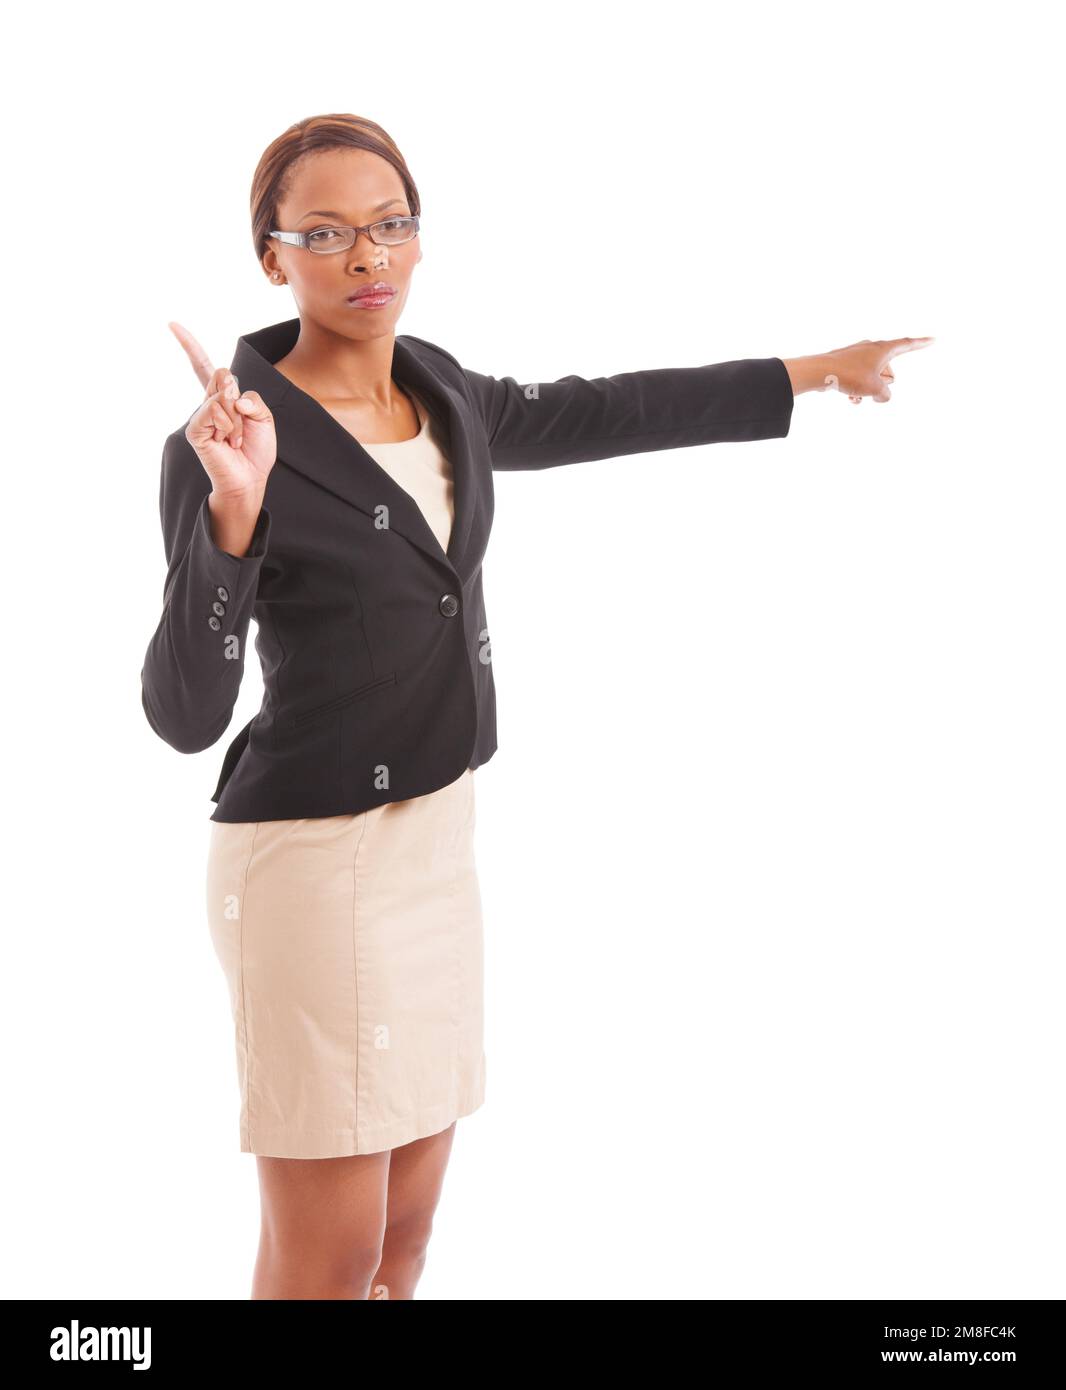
{"x":367,"y":252}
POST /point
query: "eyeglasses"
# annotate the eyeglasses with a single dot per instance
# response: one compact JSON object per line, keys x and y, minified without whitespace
{"x":324,"y":241}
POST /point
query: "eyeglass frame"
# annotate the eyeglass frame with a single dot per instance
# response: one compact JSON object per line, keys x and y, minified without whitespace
{"x":301,"y":238}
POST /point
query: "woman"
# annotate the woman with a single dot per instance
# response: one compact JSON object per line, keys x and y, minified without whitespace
{"x":336,"y":484}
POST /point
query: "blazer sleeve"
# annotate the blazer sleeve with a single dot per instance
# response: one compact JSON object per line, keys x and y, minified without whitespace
{"x":575,"y":419}
{"x":195,"y":660}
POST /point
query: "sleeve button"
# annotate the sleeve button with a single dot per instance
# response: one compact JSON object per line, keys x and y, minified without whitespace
{"x":214,"y":622}
{"x":222,"y":592}
{"x":219,"y":608}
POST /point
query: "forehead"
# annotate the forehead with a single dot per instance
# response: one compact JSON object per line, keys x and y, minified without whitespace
{"x":349,"y":184}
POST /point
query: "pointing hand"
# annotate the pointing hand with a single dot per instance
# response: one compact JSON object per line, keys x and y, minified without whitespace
{"x":862,"y":369}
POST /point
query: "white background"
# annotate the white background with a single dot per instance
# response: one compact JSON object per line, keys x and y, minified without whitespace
{"x":771,"y":850}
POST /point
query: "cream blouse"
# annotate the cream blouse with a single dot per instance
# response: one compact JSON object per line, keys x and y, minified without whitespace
{"x":421,"y":468}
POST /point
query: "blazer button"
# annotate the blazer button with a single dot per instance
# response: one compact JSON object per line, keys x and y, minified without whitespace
{"x":219,"y":608}
{"x":214,"y":622}
{"x":222,"y":592}
{"x":449,"y":605}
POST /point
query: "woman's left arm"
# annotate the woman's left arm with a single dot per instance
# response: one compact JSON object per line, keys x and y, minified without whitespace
{"x":574,"y":419}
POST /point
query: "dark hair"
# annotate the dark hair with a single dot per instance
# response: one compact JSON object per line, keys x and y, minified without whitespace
{"x":274,"y":171}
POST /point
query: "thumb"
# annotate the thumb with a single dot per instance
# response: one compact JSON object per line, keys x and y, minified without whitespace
{"x":252,"y":406}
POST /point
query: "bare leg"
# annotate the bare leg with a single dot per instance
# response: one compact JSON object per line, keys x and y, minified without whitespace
{"x":416,"y":1176}
{"x":323,"y":1225}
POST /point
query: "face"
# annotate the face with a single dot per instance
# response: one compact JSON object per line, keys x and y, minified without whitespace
{"x":338,"y":188}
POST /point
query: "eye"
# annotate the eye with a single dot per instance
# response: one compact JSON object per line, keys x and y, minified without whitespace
{"x":322,"y":235}
{"x":393,"y":223}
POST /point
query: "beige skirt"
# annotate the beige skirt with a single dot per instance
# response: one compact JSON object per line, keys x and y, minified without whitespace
{"x":352,"y":950}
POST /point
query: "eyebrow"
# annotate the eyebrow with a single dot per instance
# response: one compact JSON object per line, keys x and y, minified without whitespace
{"x":317,"y":212}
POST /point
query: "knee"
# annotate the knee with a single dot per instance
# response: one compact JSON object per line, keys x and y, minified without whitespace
{"x":354,"y":1272}
{"x":407,"y":1236}
{"x":321,"y":1268}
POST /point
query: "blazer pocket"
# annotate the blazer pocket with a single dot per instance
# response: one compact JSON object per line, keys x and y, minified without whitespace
{"x":341,"y":700}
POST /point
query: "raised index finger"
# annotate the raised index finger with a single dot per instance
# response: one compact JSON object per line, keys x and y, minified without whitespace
{"x":201,"y":363}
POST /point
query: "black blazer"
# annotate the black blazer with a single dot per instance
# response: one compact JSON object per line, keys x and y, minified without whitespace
{"x":374,"y":641}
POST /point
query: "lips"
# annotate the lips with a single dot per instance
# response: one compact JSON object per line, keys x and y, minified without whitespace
{"x":374,"y":291}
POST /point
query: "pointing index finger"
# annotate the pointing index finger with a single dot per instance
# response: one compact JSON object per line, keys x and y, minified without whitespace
{"x":898,"y":345}
{"x":201,"y":363}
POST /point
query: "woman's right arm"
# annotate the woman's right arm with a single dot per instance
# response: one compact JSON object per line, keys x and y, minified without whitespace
{"x":216,"y":532}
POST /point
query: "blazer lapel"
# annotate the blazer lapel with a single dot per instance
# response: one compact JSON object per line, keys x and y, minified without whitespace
{"x":311,"y":441}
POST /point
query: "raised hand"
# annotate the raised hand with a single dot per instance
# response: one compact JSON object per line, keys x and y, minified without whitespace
{"x":862,"y":369}
{"x":233,"y":434}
